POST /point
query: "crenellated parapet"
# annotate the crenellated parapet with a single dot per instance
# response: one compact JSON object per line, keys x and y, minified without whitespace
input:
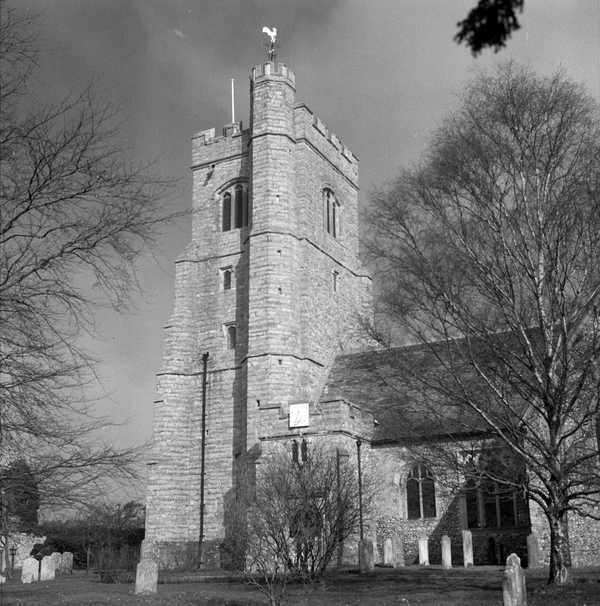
{"x":310,"y":129}
{"x":206,"y":145}
{"x":272,"y":71}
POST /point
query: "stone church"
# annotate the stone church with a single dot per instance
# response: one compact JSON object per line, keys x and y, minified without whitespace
{"x":265,"y":345}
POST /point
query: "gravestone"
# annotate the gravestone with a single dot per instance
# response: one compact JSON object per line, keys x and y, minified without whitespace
{"x":366,"y":555}
{"x":423,"y":551}
{"x":533,"y":551}
{"x":388,"y":552}
{"x":467,"y":540}
{"x":30,"y":570}
{"x":514,"y":592}
{"x":146,"y":577}
{"x":446,"y":552}
{"x":66,"y":563}
{"x":398,"y":551}
{"x":47,"y":570}
{"x":57,"y":560}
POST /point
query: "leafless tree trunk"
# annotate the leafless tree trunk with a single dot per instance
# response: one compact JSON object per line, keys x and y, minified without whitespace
{"x":490,"y":252}
{"x":75,"y":216}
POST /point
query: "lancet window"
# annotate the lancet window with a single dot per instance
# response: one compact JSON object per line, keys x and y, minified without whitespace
{"x":331,"y":213}
{"x":235,"y":207}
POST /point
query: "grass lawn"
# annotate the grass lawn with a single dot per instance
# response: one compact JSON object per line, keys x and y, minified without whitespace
{"x":479,"y":586}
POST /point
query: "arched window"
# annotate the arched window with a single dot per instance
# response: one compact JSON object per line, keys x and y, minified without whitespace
{"x":299,"y":452}
{"x":420,"y":493}
{"x":235,"y":207}
{"x":331,"y":212}
{"x":239,"y":206}
{"x":226,"y":211}
{"x":231,"y":335}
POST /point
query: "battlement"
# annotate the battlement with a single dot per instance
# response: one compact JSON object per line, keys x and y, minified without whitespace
{"x":310,"y":127}
{"x":333,"y":139}
{"x":208,"y":136}
{"x":269,"y":70}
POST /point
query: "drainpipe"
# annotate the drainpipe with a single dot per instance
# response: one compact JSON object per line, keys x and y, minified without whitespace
{"x":203,"y":453}
{"x":360,"y":504}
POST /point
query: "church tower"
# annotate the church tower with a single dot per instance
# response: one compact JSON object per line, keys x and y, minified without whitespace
{"x":271,"y":288}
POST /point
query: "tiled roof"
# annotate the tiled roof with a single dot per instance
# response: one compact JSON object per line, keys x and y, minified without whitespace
{"x":389,"y":384}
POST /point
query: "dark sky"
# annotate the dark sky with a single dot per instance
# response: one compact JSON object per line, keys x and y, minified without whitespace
{"x":380,"y":73}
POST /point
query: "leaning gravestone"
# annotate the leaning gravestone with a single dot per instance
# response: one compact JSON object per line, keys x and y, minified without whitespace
{"x":47,"y":569}
{"x":366,"y":555}
{"x":423,"y":551}
{"x":514,"y":592}
{"x":467,"y":539}
{"x":146,"y":578}
{"x":30,"y":570}
{"x":446,"y":552}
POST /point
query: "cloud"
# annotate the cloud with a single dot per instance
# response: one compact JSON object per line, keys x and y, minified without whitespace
{"x":179,"y":33}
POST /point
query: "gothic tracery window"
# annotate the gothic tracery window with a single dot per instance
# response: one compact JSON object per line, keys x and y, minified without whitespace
{"x":490,"y":505}
{"x":420,"y":493}
{"x":235,"y":207}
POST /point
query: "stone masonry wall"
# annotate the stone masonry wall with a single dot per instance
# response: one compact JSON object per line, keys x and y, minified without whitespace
{"x":584,"y":536}
{"x":290,"y":321}
{"x":389,"y":467}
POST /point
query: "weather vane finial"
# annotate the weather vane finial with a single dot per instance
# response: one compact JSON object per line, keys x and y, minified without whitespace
{"x":271,"y":45}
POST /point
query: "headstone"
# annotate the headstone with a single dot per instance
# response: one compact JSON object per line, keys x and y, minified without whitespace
{"x":514,"y":592}
{"x":30,"y":570}
{"x":398,"y":551}
{"x":423,"y":551}
{"x":388,"y":553}
{"x":533,"y":551}
{"x":446,"y":552}
{"x":66,"y":563}
{"x":47,"y":570}
{"x":57,"y":560}
{"x":146,"y":578}
{"x":467,"y":539}
{"x":366,"y":555}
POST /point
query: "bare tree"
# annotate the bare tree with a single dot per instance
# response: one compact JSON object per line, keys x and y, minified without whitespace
{"x":302,"y":513}
{"x":75,"y":216}
{"x":491,"y":255}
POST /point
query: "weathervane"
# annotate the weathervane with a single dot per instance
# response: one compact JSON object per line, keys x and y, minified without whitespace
{"x":271,"y":44}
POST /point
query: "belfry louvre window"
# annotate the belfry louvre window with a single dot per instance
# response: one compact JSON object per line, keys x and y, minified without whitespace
{"x":235,"y":207}
{"x":331,"y":213}
{"x":420,"y":493}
